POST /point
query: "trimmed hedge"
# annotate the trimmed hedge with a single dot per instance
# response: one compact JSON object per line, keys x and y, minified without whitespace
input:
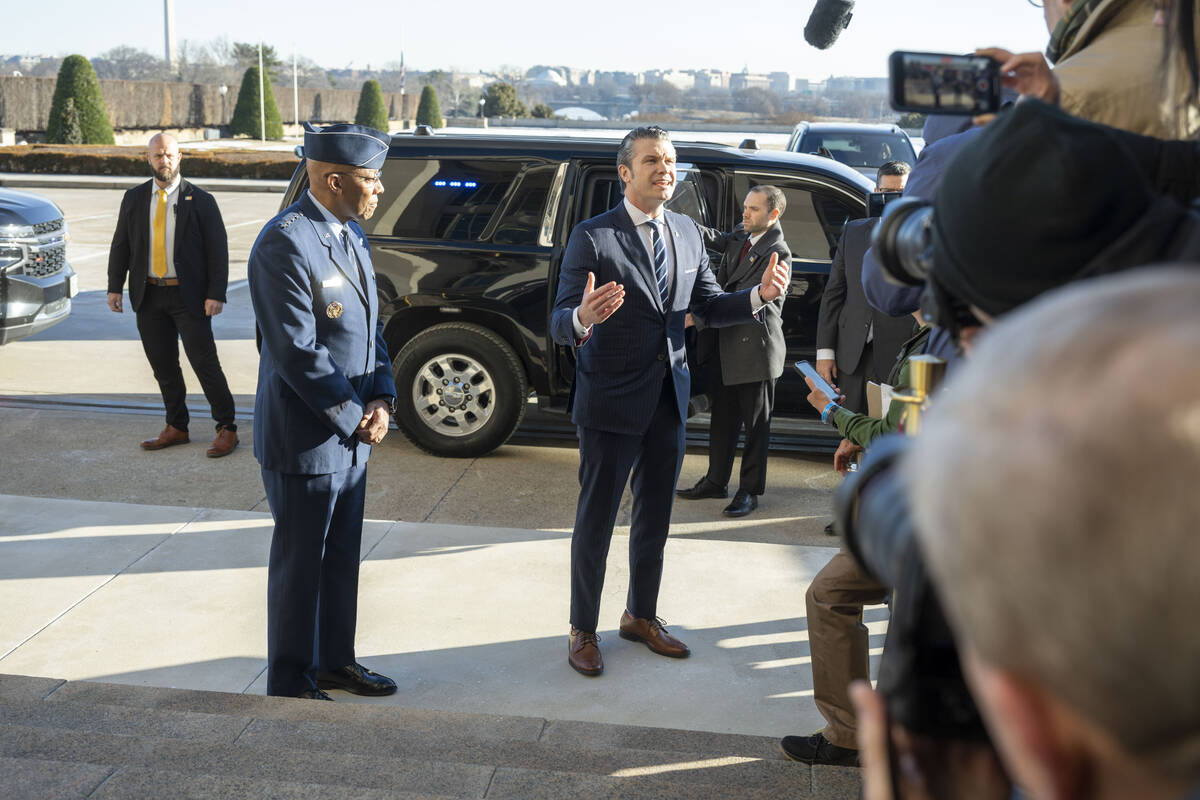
{"x":246,"y":112}
{"x":429,"y":111}
{"x":86,"y":113}
{"x":370,"y":107}
{"x":109,"y":160}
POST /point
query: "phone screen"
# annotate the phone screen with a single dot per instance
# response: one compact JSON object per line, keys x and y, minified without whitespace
{"x":877,"y":200}
{"x":942,"y":83}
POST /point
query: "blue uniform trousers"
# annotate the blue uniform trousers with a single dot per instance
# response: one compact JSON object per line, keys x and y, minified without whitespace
{"x":312,"y":577}
{"x":605,"y":462}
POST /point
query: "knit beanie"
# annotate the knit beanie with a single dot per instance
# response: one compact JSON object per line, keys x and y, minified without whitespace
{"x":1026,"y":205}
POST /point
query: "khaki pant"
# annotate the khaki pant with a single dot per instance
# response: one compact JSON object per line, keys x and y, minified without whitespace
{"x":838,"y":641}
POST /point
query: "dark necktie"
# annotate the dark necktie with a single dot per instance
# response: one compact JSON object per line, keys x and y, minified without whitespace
{"x":362,"y":278}
{"x":745,"y":249}
{"x":660,"y":260}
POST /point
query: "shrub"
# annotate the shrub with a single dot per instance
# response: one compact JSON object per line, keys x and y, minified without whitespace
{"x":371,"y":111}
{"x":542,"y":111}
{"x":429,"y":111}
{"x":245,"y":113}
{"x":500,"y":100}
{"x":77,"y":83}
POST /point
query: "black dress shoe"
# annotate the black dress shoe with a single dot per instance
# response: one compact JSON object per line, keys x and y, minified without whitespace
{"x":313,"y":694}
{"x":816,"y":749}
{"x":743,"y":503}
{"x":356,"y":679}
{"x":703,"y":489}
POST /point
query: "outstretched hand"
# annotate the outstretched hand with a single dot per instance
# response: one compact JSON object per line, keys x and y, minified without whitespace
{"x":774,"y":280}
{"x":599,"y":304}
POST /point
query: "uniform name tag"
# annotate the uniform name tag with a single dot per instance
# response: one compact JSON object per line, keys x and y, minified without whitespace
{"x":331,"y":283}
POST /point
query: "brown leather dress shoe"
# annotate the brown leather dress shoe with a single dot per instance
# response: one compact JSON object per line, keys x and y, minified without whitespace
{"x":224,"y":443}
{"x":583,"y":653}
{"x":170,"y":436}
{"x":652,"y":633}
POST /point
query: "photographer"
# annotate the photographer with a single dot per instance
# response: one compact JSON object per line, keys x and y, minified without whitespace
{"x":1046,"y":464}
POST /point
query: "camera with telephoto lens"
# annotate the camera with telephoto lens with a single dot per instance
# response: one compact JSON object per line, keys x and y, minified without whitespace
{"x":919,"y":674}
{"x":903,"y":245}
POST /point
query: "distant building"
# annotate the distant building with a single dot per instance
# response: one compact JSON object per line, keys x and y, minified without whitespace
{"x":578,"y":112}
{"x":545,"y":79}
{"x":747,"y":80}
{"x":710,"y":79}
{"x":682,"y":81}
{"x":802,"y":85}
{"x":781,"y":82}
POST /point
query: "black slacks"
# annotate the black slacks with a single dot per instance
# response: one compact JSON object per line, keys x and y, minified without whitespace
{"x":163,"y":320}
{"x":734,"y":407}
{"x":606,"y":461}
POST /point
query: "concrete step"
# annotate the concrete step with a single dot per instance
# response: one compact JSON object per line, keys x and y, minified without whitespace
{"x":143,"y":735}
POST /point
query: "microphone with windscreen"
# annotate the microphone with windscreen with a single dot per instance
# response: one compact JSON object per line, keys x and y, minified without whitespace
{"x":828,"y":19}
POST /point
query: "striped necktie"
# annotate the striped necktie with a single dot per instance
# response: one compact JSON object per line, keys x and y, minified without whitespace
{"x":660,"y":260}
{"x":160,"y":235}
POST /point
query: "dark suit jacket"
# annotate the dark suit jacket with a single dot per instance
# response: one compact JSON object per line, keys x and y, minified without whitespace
{"x":620,"y":366}
{"x":323,"y":355}
{"x":750,"y":352}
{"x":846,"y":316}
{"x":201,"y":247}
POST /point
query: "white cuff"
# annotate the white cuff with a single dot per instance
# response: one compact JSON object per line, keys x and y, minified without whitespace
{"x":756,"y":302}
{"x":580,"y":331}
{"x":825,"y":354}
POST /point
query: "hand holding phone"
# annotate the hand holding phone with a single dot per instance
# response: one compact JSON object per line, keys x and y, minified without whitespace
{"x":943,"y":83}
{"x":809,"y":371}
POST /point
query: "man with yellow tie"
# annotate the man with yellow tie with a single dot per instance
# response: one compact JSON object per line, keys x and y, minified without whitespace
{"x":170,"y":241}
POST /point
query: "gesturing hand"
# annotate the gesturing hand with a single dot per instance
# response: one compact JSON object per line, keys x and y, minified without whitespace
{"x":774,"y":280}
{"x":599,"y":304}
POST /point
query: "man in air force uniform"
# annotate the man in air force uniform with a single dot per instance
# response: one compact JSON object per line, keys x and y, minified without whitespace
{"x":325,"y":391}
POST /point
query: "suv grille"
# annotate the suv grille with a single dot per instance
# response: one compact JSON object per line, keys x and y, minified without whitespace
{"x":47,"y":262}
{"x":48,"y":227}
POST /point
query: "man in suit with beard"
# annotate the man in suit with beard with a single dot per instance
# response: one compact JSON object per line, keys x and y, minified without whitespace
{"x":171,"y":243}
{"x":748,"y":357}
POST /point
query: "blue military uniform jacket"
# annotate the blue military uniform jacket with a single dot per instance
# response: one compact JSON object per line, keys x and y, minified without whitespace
{"x":323,"y":355}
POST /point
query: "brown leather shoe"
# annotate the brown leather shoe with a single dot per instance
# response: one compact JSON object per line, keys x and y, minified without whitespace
{"x":652,"y":633}
{"x":224,"y":443}
{"x":170,"y":436}
{"x":583,"y":653}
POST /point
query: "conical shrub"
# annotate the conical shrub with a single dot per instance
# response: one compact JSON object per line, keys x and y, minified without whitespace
{"x":371,"y":111}
{"x":77,"y":82}
{"x":245,"y":113}
{"x":429,"y":112}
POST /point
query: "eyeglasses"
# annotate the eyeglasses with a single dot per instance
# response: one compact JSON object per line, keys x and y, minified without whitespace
{"x":369,"y":180}
{"x":1036,"y":3}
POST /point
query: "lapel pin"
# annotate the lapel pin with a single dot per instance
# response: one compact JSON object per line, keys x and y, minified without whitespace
{"x":334,"y":310}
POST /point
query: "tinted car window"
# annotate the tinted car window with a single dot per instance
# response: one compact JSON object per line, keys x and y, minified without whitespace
{"x":860,"y":149}
{"x":603,"y":192}
{"x":459,"y":199}
{"x":814,"y":217}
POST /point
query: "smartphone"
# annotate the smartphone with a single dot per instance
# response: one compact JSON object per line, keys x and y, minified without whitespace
{"x":941,"y":83}
{"x":877,"y":200}
{"x":809,"y":371}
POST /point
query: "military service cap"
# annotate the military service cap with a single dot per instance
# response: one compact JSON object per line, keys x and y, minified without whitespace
{"x":353,"y":145}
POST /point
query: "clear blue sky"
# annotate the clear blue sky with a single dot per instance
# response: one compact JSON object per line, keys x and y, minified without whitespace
{"x":484,"y":34}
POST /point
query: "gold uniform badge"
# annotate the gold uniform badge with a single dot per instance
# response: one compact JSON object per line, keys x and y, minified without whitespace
{"x":334,"y":310}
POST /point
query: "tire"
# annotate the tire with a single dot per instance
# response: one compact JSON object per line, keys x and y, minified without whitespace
{"x":480,"y":377}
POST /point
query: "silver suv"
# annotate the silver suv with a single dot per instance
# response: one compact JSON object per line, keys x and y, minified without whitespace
{"x":36,"y":282}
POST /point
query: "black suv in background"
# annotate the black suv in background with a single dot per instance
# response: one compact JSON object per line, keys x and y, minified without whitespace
{"x":467,"y":243}
{"x":36,"y":282}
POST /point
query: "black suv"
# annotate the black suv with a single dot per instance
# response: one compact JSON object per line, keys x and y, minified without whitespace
{"x":467,"y":242}
{"x":36,"y":282}
{"x":862,"y":146}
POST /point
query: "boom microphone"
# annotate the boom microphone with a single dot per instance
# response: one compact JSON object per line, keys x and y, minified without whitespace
{"x":828,"y":19}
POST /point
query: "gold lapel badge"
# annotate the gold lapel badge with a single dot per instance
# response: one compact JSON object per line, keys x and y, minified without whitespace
{"x":334,"y":310}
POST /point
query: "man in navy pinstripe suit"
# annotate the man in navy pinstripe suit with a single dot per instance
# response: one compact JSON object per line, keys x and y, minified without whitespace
{"x":628,"y":279}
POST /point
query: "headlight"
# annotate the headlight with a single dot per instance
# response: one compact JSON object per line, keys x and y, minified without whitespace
{"x":11,"y":255}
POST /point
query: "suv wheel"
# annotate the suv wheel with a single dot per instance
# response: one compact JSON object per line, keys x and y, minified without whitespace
{"x":460,"y":389}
